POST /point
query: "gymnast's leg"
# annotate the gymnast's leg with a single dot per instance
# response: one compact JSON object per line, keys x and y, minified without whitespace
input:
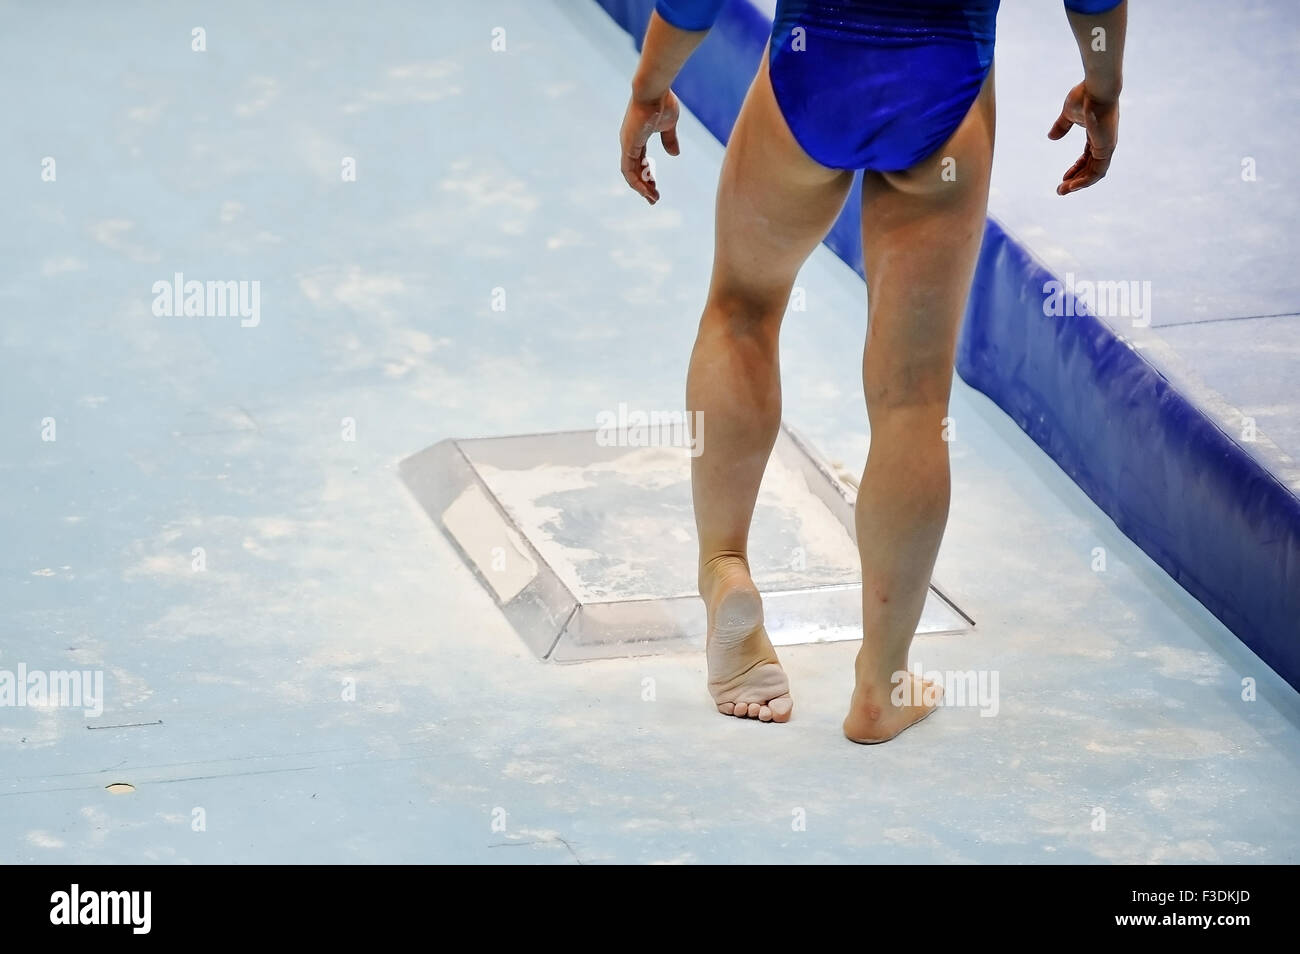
{"x":774,"y":206}
{"x":921,"y":232}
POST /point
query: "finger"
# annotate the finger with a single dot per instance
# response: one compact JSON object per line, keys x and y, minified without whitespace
{"x":1090,"y":169}
{"x":1102,"y":136}
{"x":648,"y":179}
{"x":1073,"y":171}
{"x":669,"y":138}
{"x":634,"y":143}
{"x":1060,"y":127}
{"x":635,"y":164}
{"x":1080,"y":180}
{"x":1100,"y":155}
{"x":631,"y":167}
{"x":1075,"y":185}
{"x":1090,"y":175}
{"x":631,"y":175}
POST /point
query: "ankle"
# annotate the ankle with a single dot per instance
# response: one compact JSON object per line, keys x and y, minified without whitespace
{"x":721,"y":567}
{"x":875,"y":676}
{"x":878,"y":698}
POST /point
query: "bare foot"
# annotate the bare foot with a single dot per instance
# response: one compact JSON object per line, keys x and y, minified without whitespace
{"x":878,"y":714}
{"x":745,"y":677}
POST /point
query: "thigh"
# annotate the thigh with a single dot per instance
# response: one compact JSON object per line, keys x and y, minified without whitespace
{"x":921,"y":233}
{"x":774,"y":206}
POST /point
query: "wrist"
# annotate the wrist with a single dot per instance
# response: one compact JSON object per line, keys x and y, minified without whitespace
{"x":1104,"y":91}
{"x":646,"y":89}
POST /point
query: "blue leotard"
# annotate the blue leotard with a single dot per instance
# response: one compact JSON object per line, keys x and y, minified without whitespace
{"x":873,"y":84}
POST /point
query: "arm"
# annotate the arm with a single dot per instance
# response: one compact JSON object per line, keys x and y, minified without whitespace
{"x":1099,"y":28}
{"x":676,"y":28}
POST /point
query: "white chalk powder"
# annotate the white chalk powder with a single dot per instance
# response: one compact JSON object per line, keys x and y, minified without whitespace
{"x":623,"y":529}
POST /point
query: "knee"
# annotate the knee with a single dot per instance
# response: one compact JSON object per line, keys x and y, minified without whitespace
{"x":746,"y":314}
{"x":921,"y":434}
{"x":911,"y":413}
{"x":907,"y":390}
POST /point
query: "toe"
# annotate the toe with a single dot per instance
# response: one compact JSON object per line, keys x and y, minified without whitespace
{"x":781,"y":707}
{"x":765,"y":714}
{"x":725,"y":708}
{"x":753,"y":710}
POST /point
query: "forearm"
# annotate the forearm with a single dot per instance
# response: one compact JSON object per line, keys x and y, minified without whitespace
{"x":664,"y":53}
{"x":1102,"y":52}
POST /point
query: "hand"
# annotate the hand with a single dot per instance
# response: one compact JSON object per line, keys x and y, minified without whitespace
{"x":1101,"y":123}
{"x":644,"y":118}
